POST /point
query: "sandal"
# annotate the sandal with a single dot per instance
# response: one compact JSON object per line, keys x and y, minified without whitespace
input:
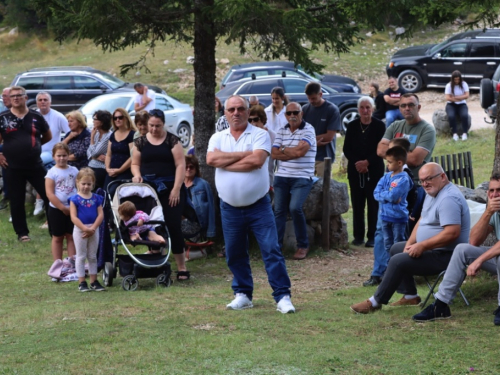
{"x":25,"y":238}
{"x":185,"y":274}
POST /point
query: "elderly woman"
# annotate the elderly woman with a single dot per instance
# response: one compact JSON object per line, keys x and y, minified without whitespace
{"x":78,"y":140}
{"x":276,"y":110}
{"x":258,"y":118}
{"x":456,"y":93}
{"x":364,"y":169}
{"x":141,"y":123}
{"x":96,"y":152}
{"x":120,"y":143}
{"x":158,"y":159}
{"x":200,"y":194}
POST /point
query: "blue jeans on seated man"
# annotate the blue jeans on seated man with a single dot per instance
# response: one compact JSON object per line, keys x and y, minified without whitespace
{"x":290,"y":193}
{"x":393,"y":233}
{"x":259,"y":218}
{"x":392,"y":115}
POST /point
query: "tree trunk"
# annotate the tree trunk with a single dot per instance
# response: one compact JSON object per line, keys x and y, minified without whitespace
{"x":204,"y":44}
{"x":496,"y":162}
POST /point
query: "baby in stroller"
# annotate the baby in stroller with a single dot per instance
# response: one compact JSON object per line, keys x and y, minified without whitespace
{"x":129,"y":214}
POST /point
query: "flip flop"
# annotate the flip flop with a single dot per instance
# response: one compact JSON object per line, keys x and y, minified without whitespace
{"x":24,"y":238}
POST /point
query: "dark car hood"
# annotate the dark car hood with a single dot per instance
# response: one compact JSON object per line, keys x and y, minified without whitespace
{"x":413,"y":51}
{"x":338,"y":79}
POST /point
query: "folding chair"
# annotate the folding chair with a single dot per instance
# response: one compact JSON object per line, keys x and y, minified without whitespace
{"x":433,"y":286}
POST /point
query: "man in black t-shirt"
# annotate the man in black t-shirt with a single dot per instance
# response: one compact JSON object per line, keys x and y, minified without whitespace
{"x":392,"y":96}
{"x":23,"y":132}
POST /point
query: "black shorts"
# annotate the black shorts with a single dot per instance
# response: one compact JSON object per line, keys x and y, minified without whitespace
{"x":59,"y":223}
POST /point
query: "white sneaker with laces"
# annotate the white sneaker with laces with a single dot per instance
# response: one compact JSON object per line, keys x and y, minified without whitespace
{"x":464,"y":137}
{"x":38,"y":207}
{"x":240,"y":302}
{"x":285,"y":305}
{"x":455,"y":137}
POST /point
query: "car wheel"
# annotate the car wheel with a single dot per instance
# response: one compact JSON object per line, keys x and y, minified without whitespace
{"x":184,"y":133}
{"x":410,"y":80}
{"x":486,"y":94}
{"x":346,"y":117}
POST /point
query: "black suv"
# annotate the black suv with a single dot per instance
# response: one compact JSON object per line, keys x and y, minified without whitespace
{"x":295,"y":91}
{"x":287,"y":69}
{"x":475,"y":53}
{"x":70,"y":86}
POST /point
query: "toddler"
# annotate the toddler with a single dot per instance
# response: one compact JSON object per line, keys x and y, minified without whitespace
{"x":128,"y":213}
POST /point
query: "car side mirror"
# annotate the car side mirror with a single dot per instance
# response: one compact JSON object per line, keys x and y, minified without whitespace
{"x":437,"y":56}
{"x":103,"y":88}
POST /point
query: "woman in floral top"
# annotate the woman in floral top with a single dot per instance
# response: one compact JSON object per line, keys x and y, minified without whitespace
{"x":78,"y":140}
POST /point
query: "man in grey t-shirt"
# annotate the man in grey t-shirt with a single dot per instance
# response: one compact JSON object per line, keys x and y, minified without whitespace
{"x":445,"y":223}
{"x":325,"y":118}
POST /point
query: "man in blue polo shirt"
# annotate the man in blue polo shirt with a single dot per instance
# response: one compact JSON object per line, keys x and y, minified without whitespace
{"x":295,"y":150}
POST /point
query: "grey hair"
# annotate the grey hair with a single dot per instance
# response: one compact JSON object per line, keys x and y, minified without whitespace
{"x":368,"y":99}
{"x":245,"y":102}
{"x":44,"y":93}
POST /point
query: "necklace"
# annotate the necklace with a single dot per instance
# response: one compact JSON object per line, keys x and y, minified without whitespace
{"x":364,"y":127}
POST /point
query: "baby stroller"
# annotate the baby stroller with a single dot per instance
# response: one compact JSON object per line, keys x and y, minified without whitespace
{"x":136,"y":266}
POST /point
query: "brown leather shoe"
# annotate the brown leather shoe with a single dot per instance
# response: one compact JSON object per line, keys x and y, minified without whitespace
{"x":301,"y":254}
{"x":407,"y":302}
{"x":365,"y":307}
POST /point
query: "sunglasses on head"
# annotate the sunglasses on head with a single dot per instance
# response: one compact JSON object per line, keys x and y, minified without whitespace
{"x":253,"y":119}
{"x":157,"y":113}
{"x":118,"y":118}
{"x":289,"y":113}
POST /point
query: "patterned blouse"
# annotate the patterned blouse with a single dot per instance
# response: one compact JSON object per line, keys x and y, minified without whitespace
{"x":78,"y":146}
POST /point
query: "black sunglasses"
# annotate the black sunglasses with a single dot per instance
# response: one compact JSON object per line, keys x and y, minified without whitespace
{"x":289,"y":113}
{"x":253,"y":119}
{"x":118,"y":118}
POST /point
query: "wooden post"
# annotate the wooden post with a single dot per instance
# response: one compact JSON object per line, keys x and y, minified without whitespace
{"x":325,"y":223}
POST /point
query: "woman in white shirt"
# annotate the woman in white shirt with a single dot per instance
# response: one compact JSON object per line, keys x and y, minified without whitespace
{"x":276,"y":111}
{"x":456,"y":93}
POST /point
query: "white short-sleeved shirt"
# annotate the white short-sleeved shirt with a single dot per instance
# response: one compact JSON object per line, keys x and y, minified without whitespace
{"x":58,"y":125}
{"x":151,"y":105}
{"x":457,"y":91}
{"x":241,"y":189}
{"x":275,"y":121}
{"x":65,"y":183}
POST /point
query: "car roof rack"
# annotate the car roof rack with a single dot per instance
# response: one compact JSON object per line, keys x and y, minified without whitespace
{"x":61,"y":68}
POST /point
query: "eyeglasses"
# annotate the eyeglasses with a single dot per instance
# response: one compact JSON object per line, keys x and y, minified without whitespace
{"x":16,"y":96}
{"x":409,"y":105}
{"x":238,"y":109}
{"x":253,"y":119}
{"x":190,"y":167}
{"x":428,"y":179}
{"x":289,"y":113}
{"x":118,"y":118}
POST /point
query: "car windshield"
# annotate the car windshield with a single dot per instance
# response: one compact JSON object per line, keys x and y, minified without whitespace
{"x":431,"y":51}
{"x":104,"y":103}
{"x":112,"y":81}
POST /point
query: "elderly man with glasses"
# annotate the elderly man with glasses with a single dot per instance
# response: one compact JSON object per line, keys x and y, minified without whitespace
{"x":295,"y":151}
{"x":445,"y":223}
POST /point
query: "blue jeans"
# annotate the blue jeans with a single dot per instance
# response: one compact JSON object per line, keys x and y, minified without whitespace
{"x":392,"y":115}
{"x":393,"y":233}
{"x":290,"y":193}
{"x":380,"y":254}
{"x":452,"y":111}
{"x":258,"y":217}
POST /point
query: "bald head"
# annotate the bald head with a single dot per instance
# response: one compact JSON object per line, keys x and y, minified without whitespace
{"x":432,"y":178}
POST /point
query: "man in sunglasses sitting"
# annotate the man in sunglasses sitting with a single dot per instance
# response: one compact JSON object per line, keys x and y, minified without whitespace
{"x":445,"y":223}
{"x":295,"y":151}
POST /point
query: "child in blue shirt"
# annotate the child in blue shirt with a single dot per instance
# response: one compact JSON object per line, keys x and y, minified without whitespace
{"x":391,"y":193}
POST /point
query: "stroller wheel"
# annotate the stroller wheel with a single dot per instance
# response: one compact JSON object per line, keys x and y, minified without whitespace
{"x":107,"y":274}
{"x":130,"y":283}
{"x":163,"y":280}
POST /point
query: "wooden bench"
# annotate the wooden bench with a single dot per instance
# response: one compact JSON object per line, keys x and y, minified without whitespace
{"x":458,"y":168}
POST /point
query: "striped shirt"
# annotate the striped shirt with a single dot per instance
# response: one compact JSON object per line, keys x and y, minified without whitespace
{"x":100,"y":147}
{"x":303,"y":166}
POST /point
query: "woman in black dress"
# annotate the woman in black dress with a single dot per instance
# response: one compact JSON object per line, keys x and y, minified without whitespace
{"x":158,"y":158}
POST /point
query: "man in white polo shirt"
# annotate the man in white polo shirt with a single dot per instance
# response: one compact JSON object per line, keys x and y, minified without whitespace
{"x":240,"y":155}
{"x":145,"y":100}
{"x":295,"y":150}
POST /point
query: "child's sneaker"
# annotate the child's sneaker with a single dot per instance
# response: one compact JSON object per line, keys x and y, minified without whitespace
{"x":83,"y":287}
{"x":97,"y":287}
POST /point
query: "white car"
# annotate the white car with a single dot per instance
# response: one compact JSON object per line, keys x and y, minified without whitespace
{"x":178,"y":116}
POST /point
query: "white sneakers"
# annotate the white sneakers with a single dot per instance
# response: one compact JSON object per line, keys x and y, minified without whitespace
{"x":38,"y":207}
{"x":240,"y":302}
{"x":464,"y":136}
{"x":455,"y":137}
{"x":285,"y":305}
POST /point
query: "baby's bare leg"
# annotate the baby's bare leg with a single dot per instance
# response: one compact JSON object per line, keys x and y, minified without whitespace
{"x":153,"y":236}
{"x":135,"y":237}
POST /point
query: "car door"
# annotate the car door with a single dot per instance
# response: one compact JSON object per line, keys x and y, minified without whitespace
{"x":450,"y":58}
{"x":61,"y":90}
{"x":295,"y":90}
{"x":481,"y":63}
{"x":171,"y":116}
{"x":86,"y":88}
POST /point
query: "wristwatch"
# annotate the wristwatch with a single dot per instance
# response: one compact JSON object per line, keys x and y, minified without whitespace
{"x":282,"y":149}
